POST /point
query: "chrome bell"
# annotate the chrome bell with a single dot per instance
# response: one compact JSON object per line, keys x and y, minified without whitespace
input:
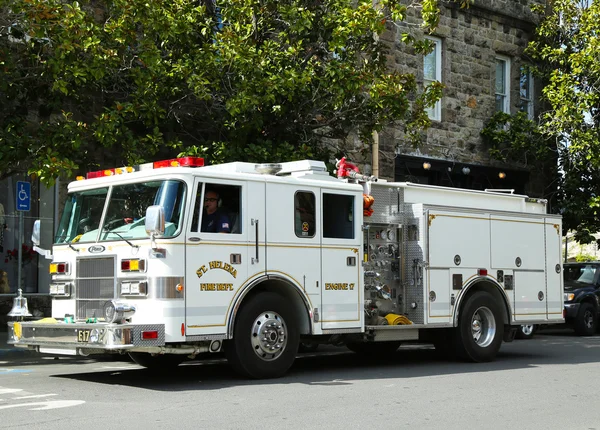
{"x":19,"y":309}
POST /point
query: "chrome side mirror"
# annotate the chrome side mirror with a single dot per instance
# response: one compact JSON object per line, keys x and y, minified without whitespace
{"x":155,"y":221}
{"x":35,"y":234}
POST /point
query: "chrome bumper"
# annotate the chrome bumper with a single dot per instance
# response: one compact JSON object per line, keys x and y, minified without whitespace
{"x":74,"y":338}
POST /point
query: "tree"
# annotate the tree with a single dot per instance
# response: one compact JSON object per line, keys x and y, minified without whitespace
{"x":125,"y":81}
{"x":566,"y":50}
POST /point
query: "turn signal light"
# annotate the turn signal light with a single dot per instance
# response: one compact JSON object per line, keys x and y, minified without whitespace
{"x":59,"y":268}
{"x":133,"y":265}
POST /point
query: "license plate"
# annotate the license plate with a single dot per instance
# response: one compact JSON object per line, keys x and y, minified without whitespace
{"x":83,"y":336}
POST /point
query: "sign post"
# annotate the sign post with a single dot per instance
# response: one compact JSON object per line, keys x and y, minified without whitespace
{"x":23,"y":205}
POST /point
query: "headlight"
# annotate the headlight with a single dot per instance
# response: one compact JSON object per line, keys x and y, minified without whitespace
{"x":117,"y":311}
{"x":569,"y":297}
{"x":63,"y":290}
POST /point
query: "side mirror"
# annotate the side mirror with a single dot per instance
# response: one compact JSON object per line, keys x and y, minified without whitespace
{"x":35,"y":234}
{"x":155,"y":221}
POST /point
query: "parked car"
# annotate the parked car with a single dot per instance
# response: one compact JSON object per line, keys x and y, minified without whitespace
{"x":582,"y":296}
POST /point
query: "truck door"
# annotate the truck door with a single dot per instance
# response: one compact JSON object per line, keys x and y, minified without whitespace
{"x":341,"y":238}
{"x":294,"y":237}
{"x":221,"y":249}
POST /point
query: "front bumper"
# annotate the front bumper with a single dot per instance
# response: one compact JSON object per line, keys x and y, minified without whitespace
{"x":83,"y":338}
{"x":571,"y":310}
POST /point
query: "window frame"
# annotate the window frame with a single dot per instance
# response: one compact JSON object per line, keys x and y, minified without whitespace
{"x":506,"y":94}
{"x":529,"y":101}
{"x":314,"y":215}
{"x":434,"y":113}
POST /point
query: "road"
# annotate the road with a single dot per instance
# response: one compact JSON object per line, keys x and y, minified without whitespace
{"x":548,"y":382}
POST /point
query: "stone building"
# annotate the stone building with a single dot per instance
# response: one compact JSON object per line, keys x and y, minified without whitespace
{"x":479,"y":56}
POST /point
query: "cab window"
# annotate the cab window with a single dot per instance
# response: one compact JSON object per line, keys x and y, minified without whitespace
{"x":338,"y":216}
{"x":217,"y":209}
{"x":304,"y":214}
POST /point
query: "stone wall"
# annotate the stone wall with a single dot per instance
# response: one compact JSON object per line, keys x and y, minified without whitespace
{"x":471,"y":40}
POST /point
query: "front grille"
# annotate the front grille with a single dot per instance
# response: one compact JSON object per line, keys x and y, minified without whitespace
{"x":95,"y":284}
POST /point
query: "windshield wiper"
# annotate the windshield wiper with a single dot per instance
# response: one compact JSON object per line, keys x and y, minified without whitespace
{"x":114,"y":232}
{"x":72,"y":247}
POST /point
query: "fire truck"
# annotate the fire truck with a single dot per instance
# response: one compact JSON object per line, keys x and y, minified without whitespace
{"x":175,"y":260}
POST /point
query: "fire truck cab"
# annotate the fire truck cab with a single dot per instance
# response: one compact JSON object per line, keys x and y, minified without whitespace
{"x":176,"y":258}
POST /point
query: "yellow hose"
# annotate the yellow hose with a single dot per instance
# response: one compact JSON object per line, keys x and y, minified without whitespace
{"x":394,"y":319}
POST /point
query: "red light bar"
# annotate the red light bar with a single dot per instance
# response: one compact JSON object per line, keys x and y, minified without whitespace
{"x":180,"y":162}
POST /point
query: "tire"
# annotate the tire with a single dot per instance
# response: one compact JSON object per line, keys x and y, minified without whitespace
{"x":526,"y":331}
{"x":586,"y":320}
{"x":480,"y":329}
{"x":157,"y":361}
{"x":265,"y":337}
{"x":374,"y":349}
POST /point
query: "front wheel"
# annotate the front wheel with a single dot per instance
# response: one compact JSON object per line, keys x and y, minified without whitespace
{"x":479,"y":332}
{"x":586,"y":320}
{"x":265,"y":337}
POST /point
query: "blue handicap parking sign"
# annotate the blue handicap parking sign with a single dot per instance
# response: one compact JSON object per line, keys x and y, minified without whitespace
{"x":23,"y":196}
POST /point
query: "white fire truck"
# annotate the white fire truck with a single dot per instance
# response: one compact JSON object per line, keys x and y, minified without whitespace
{"x":176,"y":259}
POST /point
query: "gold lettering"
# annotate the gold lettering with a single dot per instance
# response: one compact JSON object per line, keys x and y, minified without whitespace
{"x":201,"y":271}
{"x":341,"y":286}
{"x":216,"y":287}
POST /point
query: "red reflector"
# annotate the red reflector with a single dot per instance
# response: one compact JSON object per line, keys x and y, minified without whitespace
{"x":125,"y":264}
{"x":148,"y":335}
{"x":564,"y":313}
{"x":61,"y":268}
{"x":482,"y":272}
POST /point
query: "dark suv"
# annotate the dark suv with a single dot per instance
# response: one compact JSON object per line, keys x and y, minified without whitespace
{"x":582,"y":296}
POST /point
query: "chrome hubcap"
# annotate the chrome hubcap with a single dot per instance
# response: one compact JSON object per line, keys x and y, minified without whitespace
{"x":527,"y":329}
{"x":269,"y":336}
{"x":588,"y":319}
{"x":483,"y":327}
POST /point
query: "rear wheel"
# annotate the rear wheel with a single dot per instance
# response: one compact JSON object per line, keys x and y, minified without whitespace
{"x":479,"y":333}
{"x":157,"y":361}
{"x":265,"y":337}
{"x":586,"y":320}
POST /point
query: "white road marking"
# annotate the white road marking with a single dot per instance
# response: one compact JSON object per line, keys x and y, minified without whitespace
{"x":9,"y":390}
{"x":35,"y":396}
{"x":50,"y":404}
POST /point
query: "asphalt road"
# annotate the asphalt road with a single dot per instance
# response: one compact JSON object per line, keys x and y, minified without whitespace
{"x":549,"y":382}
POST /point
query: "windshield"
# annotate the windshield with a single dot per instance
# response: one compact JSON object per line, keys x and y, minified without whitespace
{"x":581,"y":273}
{"x":125,"y":212}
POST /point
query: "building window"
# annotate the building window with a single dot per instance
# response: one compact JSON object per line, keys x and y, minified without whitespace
{"x":526,"y":91}
{"x":502,"y":84}
{"x":432,"y":71}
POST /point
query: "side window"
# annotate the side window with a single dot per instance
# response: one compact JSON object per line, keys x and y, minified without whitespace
{"x":220,"y":206}
{"x":338,"y":216}
{"x":304,"y":214}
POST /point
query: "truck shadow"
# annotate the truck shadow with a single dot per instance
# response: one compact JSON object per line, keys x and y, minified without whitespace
{"x":338,"y":366}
